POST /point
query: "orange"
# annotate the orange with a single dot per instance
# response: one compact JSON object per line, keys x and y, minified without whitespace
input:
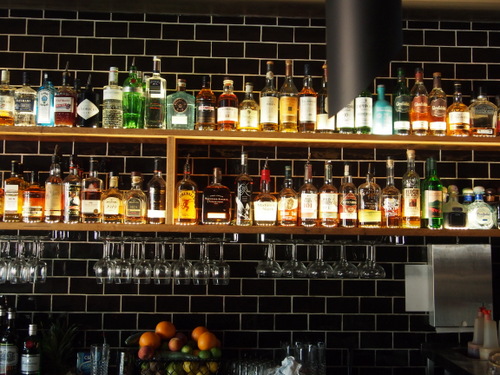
{"x":207,"y":341}
{"x":197,"y":332}
{"x":165,"y":330}
{"x":150,"y":339}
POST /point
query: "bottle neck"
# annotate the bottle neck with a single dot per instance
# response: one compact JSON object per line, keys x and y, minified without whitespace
{"x":55,"y":169}
{"x":265,"y":180}
{"x":308,"y":84}
{"x":113,"y":182}
{"x":308,"y":173}
{"x":136,"y":182}
{"x":436,"y":83}
{"x":328,"y":174}
{"x":390,"y":176}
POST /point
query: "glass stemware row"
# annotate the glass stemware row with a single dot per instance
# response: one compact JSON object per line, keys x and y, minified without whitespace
{"x":20,"y":260}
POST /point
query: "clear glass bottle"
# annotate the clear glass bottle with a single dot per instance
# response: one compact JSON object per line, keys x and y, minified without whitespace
{"x":483,"y":116}
{"x":324,"y":124}
{"x":72,"y":187}
{"x":467,"y":196}
{"x":490,"y":197}
{"x":288,"y":102}
{"x":112,"y":102}
{"x":206,"y":104}
{"x":419,"y":107}
{"x":288,"y":204}
{"x":135,"y":202}
{"x":33,"y":201}
{"x":308,"y":103}
{"x":24,"y":107}
{"x":13,"y":187}
{"x":410,"y":195}
{"x":216,"y":202}
{"x":65,"y":102}
{"x":227,"y":108}
{"x":269,"y":102}
{"x":30,"y":353}
{"x":265,"y":204}
{"x":54,"y":191}
{"x":437,"y":106}
{"x":401,"y":105}
{"x":370,"y":202}
{"x":180,"y":108}
{"x":348,"y":200}
{"x":480,"y":215}
{"x":458,"y":115}
{"x":157,"y":190}
{"x":9,"y":342}
{"x":243,"y":194}
{"x":133,"y":99}
{"x":7,"y":101}
{"x":382,"y":114}
{"x":432,"y":197}
{"x":249,"y":111}
{"x":363,"y":112}
{"x":112,"y":202}
{"x":308,"y":198}
{"x":91,"y":195}
{"x":328,"y":200}
{"x":87,"y":109}
{"x":391,"y":199}
{"x":454,"y":213}
{"x":186,"y":198}
{"x":45,"y":103}
{"x":345,"y":120}
{"x":155,"y":99}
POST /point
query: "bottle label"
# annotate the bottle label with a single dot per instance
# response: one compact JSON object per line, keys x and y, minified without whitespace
{"x":433,"y":204}
{"x":309,"y":206}
{"x":307,"y":108}
{"x":53,"y":199}
{"x":186,"y":208}
{"x":87,"y":109}
{"x":229,"y":114}
{"x":11,"y":199}
{"x":483,"y":217}
{"x":32,"y":211}
{"x":134,"y":207}
{"x":112,"y":93}
{"x":391,"y":206}
{"x":369,"y":216}
{"x":265,"y":211}
{"x":72,"y":200}
{"x":249,"y":119}
{"x":348,"y":206}
{"x":8,"y":359}
{"x":438,"y":108}
{"x":205,"y":114}
{"x":243,"y":200}
{"x":7,"y":103}
{"x":420,"y":105}
{"x":401,"y":125}
{"x":44,"y":106}
{"x":487,"y":131}
{"x":402,"y":104}
{"x":30,"y":364}
{"x":459,"y":120}
{"x":345,"y":118}
{"x":63,"y":104}
{"x":411,"y":202}
{"x":24,"y":105}
{"x":288,"y":109}
{"x":328,"y":205}
{"x":437,"y":125}
{"x":111,"y":206}
{"x":91,"y":206}
{"x":269,"y":109}
{"x":288,"y":207}
{"x":180,"y":105}
{"x":156,"y":214}
{"x":154,"y":85}
{"x":325,"y":123}
{"x":420,"y":125}
{"x":179,"y":120}
{"x":363,"y":112}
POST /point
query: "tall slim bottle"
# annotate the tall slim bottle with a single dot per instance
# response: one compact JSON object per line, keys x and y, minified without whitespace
{"x":54,"y":192}
{"x":9,"y":346}
{"x":370,"y":199}
{"x":419,"y":107}
{"x":348,"y":200}
{"x":227,"y":108}
{"x":156,"y":188}
{"x":133,"y":99}
{"x":72,"y":187}
{"x":87,"y":109}
{"x":45,"y":103}
{"x":186,"y":199}
{"x":7,"y":102}
{"x":269,"y":102}
{"x":308,"y":198}
{"x":243,"y":196}
{"x":112,"y":101}
{"x":288,"y":204}
{"x":65,"y":102}
{"x":363,"y":112}
{"x":308,"y":102}
{"x":24,"y":104}
{"x":328,"y":200}
{"x":437,"y":106}
{"x":401,"y":106}
{"x":391,"y":199}
{"x":206,"y":104}
{"x":265,"y":204}
{"x":289,"y":102}
{"x":13,"y":194}
{"x":432,"y":197}
{"x":410,"y":194}
{"x":382,"y":114}
{"x":457,"y":115}
{"x":155,"y":99}
{"x":324,"y":124}
{"x":91,"y":195}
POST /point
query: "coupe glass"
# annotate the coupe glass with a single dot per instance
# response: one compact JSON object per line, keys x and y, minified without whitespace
{"x":220,"y":269}
{"x":294,"y":267}
{"x":181,"y":268}
{"x":269,"y":267}
{"x":343,"y":268}
{"x":319,"y":268}
{"x":201,"y":269}
{"x":162,"y":270}
{"x":369,"y":269}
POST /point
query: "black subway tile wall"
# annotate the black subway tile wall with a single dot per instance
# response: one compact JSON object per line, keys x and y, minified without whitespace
{"x":363,"y":322}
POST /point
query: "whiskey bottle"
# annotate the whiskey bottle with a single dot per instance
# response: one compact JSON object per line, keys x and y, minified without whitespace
{"x":401,"y":106}
{"x":454,"y":213}
{"x":249,"y":111}
{"x":243,"y":196}
{"x":269,"y":102}
{"x":419,"y":107}
{"x":348,"y":201}
{"x":9,"y":344}
{"x":308,"y":197}
{"x":410,"y":195}
{"x":87,"y":108}
{"x":308,"y":103}
{"x":186,"y":207}
{"x":432,"y":197}
{"x":7,"y":105}
{"x":54,"y":191}
{"x":483,"y":116}
{"x":72,"y":187}
{"x":156,"y":189}
{"x":133,"y":99}
{"x":65,"y":102}
{"x":345,"y":119}
{"x":382,"y":114}
{"x":24,"y":104}
{"x":216,"y":202}
{"x":328,"y":200}
{"x":112,"y":202}
{"x":206,"y":107}
{"x":457,"y":115}
{"x":13,"y":194}
{"x":155,"y":99}
{"x":33,"y":201}
{"x":288,"y":102}
{"x":288,"y":205}
{"x":45,"y":103}
{"x":112,"y":101}
{"x":363,"y":112}
{"x":480,"y":215}
{"x":370,"y":207}
{"x":391,"y":199}
{"x":437,"y":106}
{"x":91,"y":196}
{"x":30,"y":353}
{"x":135,"y":202}
{"x":265,"y":204}
{"x":180,"y":108}
{"x":324,"y":124}
{"x":227,"y":107}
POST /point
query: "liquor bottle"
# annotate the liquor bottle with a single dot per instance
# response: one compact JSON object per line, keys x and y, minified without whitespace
{"x":480,"y":215}
{"x":401,"y":105}
{"x":288,"y":204}
{"x":72,"y":187}
{"x":186,"y":205}
{"x":227,"y":107}
{"x":467,"y":196}
{"x":490,"y":197}
{"x":308,"y":103}
{"x":454,"y":213}
{"x":155,"y":99}
{"x":216,"y":202}
{"x":382,"y":114}
{"x":112,"y":202}
{"x":24,"y":104}
{"x":308,"y":198}
{"x":457,"y":115}
{"x":54,"y":191}
{"x":87,"y":108}
{"x":249,"y":111}
{"x":419,"y":107}
{"x":33,"y":201}
{"x":9,"y":346}
{"x":432,"y":197}
{"x":45,"y":103}
{"x":370,"y":199}
{"x":265,"y":204}
{"x":497,"y":101}
{"x":65,"y":102}
{"x":206,"y":107}
{"x":7,"y":102}
{"x":91,"y":195}
{"x":483,"y":116}
{"x":328,"y":200}
{"x":437,"y":106}
{"x":289,"y":102}
{"x":345,"y":120}
{"x":135,"y":202}
{"x":324,"y":124}
{"x":363,"y":112}
{"x":156,"y":189}
{"x":269,"y":102}
{"x":391,"y":200}
{"x":243,"y":195}
{"x":133,"y":99}
{"x":180,"y":108}
{"x":13,"y":194}
{"x":410,"y":194}
{"x":112,"y":101}
{"x":348,"y":200}
{"x":30,"y":353}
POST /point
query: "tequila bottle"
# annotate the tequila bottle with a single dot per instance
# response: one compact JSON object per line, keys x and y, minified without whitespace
{"x":112,"y":202}
{"x":216,"y":202}
{"x":13,"y":187}
{"x":345,"y":119}
{"x":288,"y":102}
{"x":401,"y":106}
{"x":91,"y":195}
{"x":133,"y":99}
{"x":72,"y":187}
{"x":363,"y":112}
{"x":156,"y":188}
{"x":328,"y":200}
{"x":458,"y":115}
{"x":269,"y":102}
{"x":467,"y":196}
{"x":483,"y":116}
{"x":288,"y":205}
{"x":437,"y":106}
{"x":382,"y":114}
{"x":206,"y":104}
{"x":308,"y":198}
{"x":391,"y":200}
{"x":186,"y":207}
{"x":419,"y":107}
{"x":45,"y":103}
{"x":432,"y":197}
{"x":308,"y":103}
{"x":54,"y":192}
{"x":7,"y":102}
{"x":24,"y":98}
{"x":65,"y":102}
{"x":455,"y":214}
{"x":370,"y":207}
{"x":155,"y":99}
{"x":243,"y":196}
{"x":324,"y":124}
{"x":348,"y":200}
{"x":410,"y":195}
{"x":180,"y":108}
{"x":227,"y":108}
{"x":112,"y":101}
{"x":135,"y":202}
{"x":87,"y":109}
{"x":265,"y":204}
{"x":33,"y":201}
{"x":249,"y":111}
{"x":480,"y":215}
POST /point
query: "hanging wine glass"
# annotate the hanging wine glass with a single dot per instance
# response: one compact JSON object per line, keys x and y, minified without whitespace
{"x":269,"y":267}
{"x":343,"y":268}
{"x":104,"y":268}
{"x":37,"y":267}
{"x":181,"y":268}
{"x":369,"y":269}
{"x":294,"y":267}
{"x":220,"y":269}
{"x":201,"y":269}
{"x":319,"y":268}
{"x":123,"y":266}
{"x":4,"y":260}
{"x":18,"y":270}
{"x":161,"y":268}
{"x":142,"y":269}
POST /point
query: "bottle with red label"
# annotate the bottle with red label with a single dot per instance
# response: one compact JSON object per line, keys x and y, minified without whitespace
{"x":65,"y":102}
{"x":419,"y":107}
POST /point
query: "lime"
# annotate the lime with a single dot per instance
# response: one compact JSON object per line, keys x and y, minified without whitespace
{"x":216,"y":352}
{"x":205,"y":354}
{"x":186,"y":349}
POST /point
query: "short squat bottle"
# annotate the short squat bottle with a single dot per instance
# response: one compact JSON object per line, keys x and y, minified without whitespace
{"x":455,"y":214}
{"x":216,"y":202}
{"x":135,"y":201}
{"x":480,"y":215}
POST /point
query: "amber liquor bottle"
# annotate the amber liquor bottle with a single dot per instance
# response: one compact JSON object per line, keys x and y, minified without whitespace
{"x":227,"y":108}
{"x":419,"y":107}
{"x":269,"y":102}
{"x":205,"y":107}
{"x":112,"y":202}
{"x":457,"y":115}
{"x":216,"y":202}
{"x":33,"y":201}
{"x":186,"y":211}
{"x":65,"y":102}
{"x":348,"y":201}
{"x":156,"y":188}
{"x":289,"y":102}
{"x":135,"y":201}
{"x":72,"y":187}
{"x":265,"y":204}
{"x":288,"y":205}
{"x":14,"y":187}
{"x":308,"y":197}
{"x":328,"y":200}
{"x":410,"y":194}
{"x":307,"y":104}
{"x":91,"y":195}
{"x":54,"y":192}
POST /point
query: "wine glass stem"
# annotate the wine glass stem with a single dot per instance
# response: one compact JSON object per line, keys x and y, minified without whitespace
{"x":221,"y":251}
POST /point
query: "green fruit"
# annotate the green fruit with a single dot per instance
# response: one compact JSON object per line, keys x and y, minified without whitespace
{"x":216,"y":352}
{"x":186,"y":349}
{"x":175,"y":368}
{"x":133,"y":340}
{"x":205,"y":354}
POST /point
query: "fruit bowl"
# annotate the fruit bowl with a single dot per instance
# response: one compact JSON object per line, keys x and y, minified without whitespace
{"x":168,"y":366}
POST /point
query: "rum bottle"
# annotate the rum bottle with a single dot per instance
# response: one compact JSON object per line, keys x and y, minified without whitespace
{"x":206,"y":104}
{"x":483,"y":116}
{"x":401,"y":106}
{"x":156,"y":188}
{"x":370,"y":199}
{"x":269,"y":102}
{"x":133,"y":99}
{"x":419,"y":107}
{"x":432,"y":197}
{"x":33,"y":201}
{"x":382,"y":114}
{"x":45,"y":103}
{"x":155,"y":99}
{"x":243,"y":196}
{"x":308,"y":198}
{"x":186,"y":196}
{"x":328,"y":200}
{"x":112,"y":202}
{"x":87,"y":109}
{"x":265,"y":204}
{"x":324,"y":124}
{"x":112,"y":102}
{"x":135,"y":202}
{"x":348,"y":200}
{"x":30,"y":353}
{"x":65,"y":102}
{"x":180,"y":108}
{"x":391,"y":199}
{"x":54,"y":192}
{"x":457,"y":115}
{"x":308,"y":102}
{"x":410,"y":194}
{"x":288,"y":102}
{"x":249,"y":111}
{"x":7,"y":101}
{"x":216,"y":202}
{"x":72,"y":187}
{"x":438,"y":106}
{"x":363,"y":112}
{"x":227,"y":107}
{"x":91,"y":196}
{"x":288,"y":205}
{"x":24,"y":104}
{"x":9,"y":342}
{"x":13,"y":194}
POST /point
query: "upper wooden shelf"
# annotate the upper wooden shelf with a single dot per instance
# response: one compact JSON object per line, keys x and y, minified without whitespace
{"x":238,"y":137}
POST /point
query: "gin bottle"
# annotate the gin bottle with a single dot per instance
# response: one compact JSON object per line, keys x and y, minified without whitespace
{"x":348,"y":200}
{"x":363,"y":112}
{"x":186,"y":205}
{"x":458,"y":115}
{"x":382,"y":114}
{"x":455,"y":214}
{"x":7,"y":105}
{"x":410,"y":195}
{"x":432,"y":197}
{"x":249,"y":111}
{"x":45,"y":103}
{"x":133,"y":99}
{"x":206,"y":104}
{"x":483,"y":116}
{"x":269,"y":102}
{"x":328,"y":200}
{"x":112,"y":101}
{"x":65,"y":102}
{"x":227,"y":108}
{"x":265,"y":204}
{"x":216,"y":202}
{"x":243,"y":196}
{"x":87,"y":109}
{"x":156,"y":188}
{"x":391,"y":200}
{"x":180,"y":108}
{"x":401,"y":106}
{"x":155,"y":103}
{"x":308,"y":198}
{"x":419,"y":107}
{"x":72,"y":187}
{"x":288,"y":205}
{"x":135,"y":202}
{"x":480,"y":215}
{"x":308,"y":102}
{"x":24,"y":98}
{"x":288,"y":102}
{"x":370,"y":208}
{"x":437,"y":106}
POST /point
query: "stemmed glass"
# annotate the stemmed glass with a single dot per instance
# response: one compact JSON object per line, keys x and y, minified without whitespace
{"x":161,"y":268}
{"x":220,"y":269}
{"x":294,"y":267}
{"x":37,"y":267}
{"x":201,"y":269}
{"x":4,"y":261}
{"x":343,"y":268}
{"x":18,"y":267}
{"x":181,"y":268}
{"x":123,"y":267}
{"x":369,"y":269}
{"x":269,"y":267}
{"x":104,"y":268}
{"x":319,"y":268}
{"x":142,"y":268}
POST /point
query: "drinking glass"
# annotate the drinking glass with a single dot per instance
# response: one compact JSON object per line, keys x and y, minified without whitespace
{"x":294,"y":267}
{"x":99,"y":358}
{"x":220,"y":269}
{"x":181,"y":268}
{"x":343,"y":268}
{"x":123,"y":266}
{"x":37,"y":267}
{"x":4,"y":261}
{"x":269,"y":267}
{"x":18,"y":267}
{"x":201,"y":268}
{"x":104,"y":268}
{"x":142,"y":269}
{"x":319,"y":268}
{"x":161,"y":268}
{"x":369,"y":269}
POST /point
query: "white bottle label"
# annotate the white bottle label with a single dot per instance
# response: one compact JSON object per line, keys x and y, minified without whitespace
{"x":307,"y":109}
{"x":227,"y":114}
{"x":53,"y":199}
{"x":345,"y":118}
{"x":401,"y":125}
{"x":30,"y":364}
{"x":7,"y":103}
{"x":179,"y":120}
{"x":328,"y":205}
{"x":86,"y":109}
{"x":11,"y":197}
{"x":323,"y":122}
{"x":91,"y":206}
{"x":420,"y":125}
{"x":43,"y":107}
{"x":363,"y":112}
{"x":112,"y":94}
{"x":249,"y":118}
{"x":155,"y":214}
{"x":459,"y":118}
{"x":63,"y":104}
{"x":437,"y":125}
{"x":411,"y":202}
{"x":269,"y":109}
{"x":265,"y":211}
{"x":309,"y":206}
{"x":111,"y":206}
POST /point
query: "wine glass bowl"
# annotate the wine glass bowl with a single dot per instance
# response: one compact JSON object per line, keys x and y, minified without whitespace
{"x":221,"y":270}
{"x":369,"y":269}
{"x":181,"y":268}
{"x":201,"y":269}
{"x":269,"y":267}
{"x":294,"y":267}
{"x":319,"y":268}
{"x":344,"y":269}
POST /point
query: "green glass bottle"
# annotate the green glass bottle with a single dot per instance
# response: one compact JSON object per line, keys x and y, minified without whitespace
{"x":432,"y":197}
{"x":363,"y":112}
{"x":132,"y":99}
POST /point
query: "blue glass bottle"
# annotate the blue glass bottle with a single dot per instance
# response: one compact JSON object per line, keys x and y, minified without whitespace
{"x":45,"y":103}
{"x":382,"y":114}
